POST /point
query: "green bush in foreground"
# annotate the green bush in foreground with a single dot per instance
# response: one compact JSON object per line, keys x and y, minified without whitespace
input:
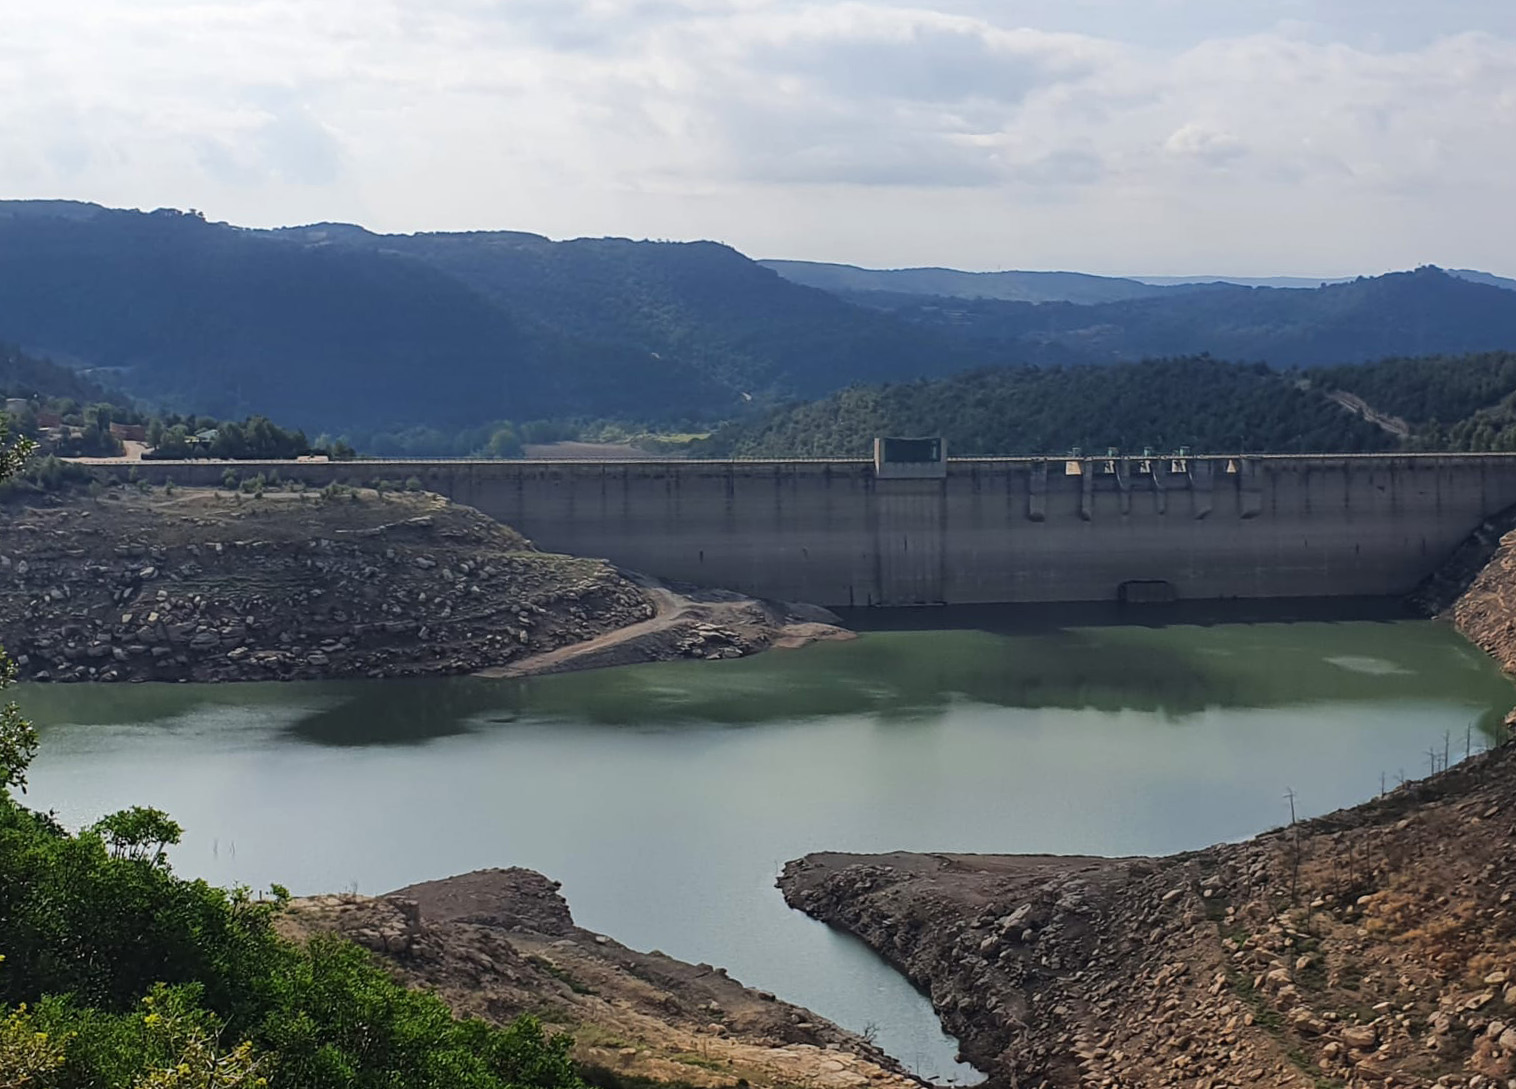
{"x":117,"y":974}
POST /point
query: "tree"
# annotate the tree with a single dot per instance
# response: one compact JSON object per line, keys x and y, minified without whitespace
{"x":13,"y":455}
{"x":18,"y":741}
{"x":504,"y":443}
{"x":140,"y":833}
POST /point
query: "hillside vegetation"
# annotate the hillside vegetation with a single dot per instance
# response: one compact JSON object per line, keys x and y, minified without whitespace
{"x":67,"y":414}
{"x":1446,"y":403}
{"x":22,"y":375}
{"x":331,"y":328}
{"x":1424,"y":312}
{"x":1202,"y":403}
{"x":117,"y":974}
{"x":430,"y":342}
{"x":1014,"y":286}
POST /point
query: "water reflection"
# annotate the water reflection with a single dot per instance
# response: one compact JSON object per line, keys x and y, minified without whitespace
{"x":666,"y":797}
{"x":904,"y":675}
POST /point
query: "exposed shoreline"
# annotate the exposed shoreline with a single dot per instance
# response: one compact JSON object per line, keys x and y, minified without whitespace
{"x":1371,"y":947}
{"x":1317,"y":952}
{"x":499,"y":943}
{"x":219,"y":586}
{"x":688,"y":623}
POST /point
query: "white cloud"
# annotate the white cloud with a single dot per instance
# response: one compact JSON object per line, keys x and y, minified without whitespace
{"x":1140,"y":135}
{"x":1197,"y":141}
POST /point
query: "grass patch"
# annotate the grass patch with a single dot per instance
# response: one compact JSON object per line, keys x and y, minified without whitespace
{"x":705,"y":1062}
{"x":561,"y":975}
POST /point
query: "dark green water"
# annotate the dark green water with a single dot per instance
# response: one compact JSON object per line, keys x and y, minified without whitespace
{"x":666,"y":797}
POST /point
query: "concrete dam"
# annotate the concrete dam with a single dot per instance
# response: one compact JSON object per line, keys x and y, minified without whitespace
{"x":977,"y":530}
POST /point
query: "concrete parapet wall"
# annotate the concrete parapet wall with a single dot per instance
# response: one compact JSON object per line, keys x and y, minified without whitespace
{"x":991,"y":530}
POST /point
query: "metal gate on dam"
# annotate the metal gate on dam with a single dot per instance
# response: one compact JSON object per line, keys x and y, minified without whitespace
{"x":990,"y":530}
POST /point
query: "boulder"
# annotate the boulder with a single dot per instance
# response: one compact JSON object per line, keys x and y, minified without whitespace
{"x":1360,"y":1037}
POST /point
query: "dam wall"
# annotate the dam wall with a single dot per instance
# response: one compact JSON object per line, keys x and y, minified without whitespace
{"x":985,"y":530}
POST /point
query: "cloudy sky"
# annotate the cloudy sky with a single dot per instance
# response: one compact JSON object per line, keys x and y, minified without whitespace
{"x":1118,"y":136}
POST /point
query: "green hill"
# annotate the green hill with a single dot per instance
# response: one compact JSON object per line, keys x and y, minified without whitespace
{"x":1424,"y":312}
{"x":1012,"y":286}
{"x":332,"y":328}
{"x":22,"y":375}
{"x":1447,"y":402}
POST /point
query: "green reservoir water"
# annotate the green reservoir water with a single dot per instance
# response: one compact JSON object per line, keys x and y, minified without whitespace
{"x":666,"y":797}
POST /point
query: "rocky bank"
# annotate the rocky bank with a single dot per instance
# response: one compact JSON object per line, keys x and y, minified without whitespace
{"x":214,"y":585}
{"x":1476,"y":590}
{"x":500,"y":943}
{"x":1372,"y":947}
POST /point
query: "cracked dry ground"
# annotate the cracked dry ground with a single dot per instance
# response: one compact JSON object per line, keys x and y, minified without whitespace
{"x":1372,"y":947}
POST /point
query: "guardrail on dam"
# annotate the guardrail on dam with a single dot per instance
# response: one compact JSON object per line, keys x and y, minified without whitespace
{"x":983,"y":530}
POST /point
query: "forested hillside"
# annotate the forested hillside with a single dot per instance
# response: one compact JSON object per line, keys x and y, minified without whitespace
{"x":695,"y":306}
{"x":22,"y":375}
{"x":416,"y":338}
{"x":1424,"y":312}
{"x":335,"y":329}
{"x":213,"y":319}
{"x":1449,"y":403}
{"x":68,"y":415}
{"x":1013,"y":286}
{"x":1430,"y":389}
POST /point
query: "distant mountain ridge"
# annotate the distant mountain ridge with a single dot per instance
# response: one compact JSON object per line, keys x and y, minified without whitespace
{"x":1424,"y":312}
{"x":334,"y":328}
{"x":1035,"y":287}
{"x":1009,"y":286}
{"x":1293,"y":283}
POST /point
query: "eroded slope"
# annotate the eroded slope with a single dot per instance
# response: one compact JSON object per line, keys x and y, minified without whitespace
{"x":1376,"y":946}
{"x":499,"y":943}
{"x":214,"y":585}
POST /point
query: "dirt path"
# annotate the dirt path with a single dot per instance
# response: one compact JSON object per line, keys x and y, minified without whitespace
{"x":1394,"y":425}
{"x":671,"y":608}
{"x":710,"y":624}
{"x":131,"y":450}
